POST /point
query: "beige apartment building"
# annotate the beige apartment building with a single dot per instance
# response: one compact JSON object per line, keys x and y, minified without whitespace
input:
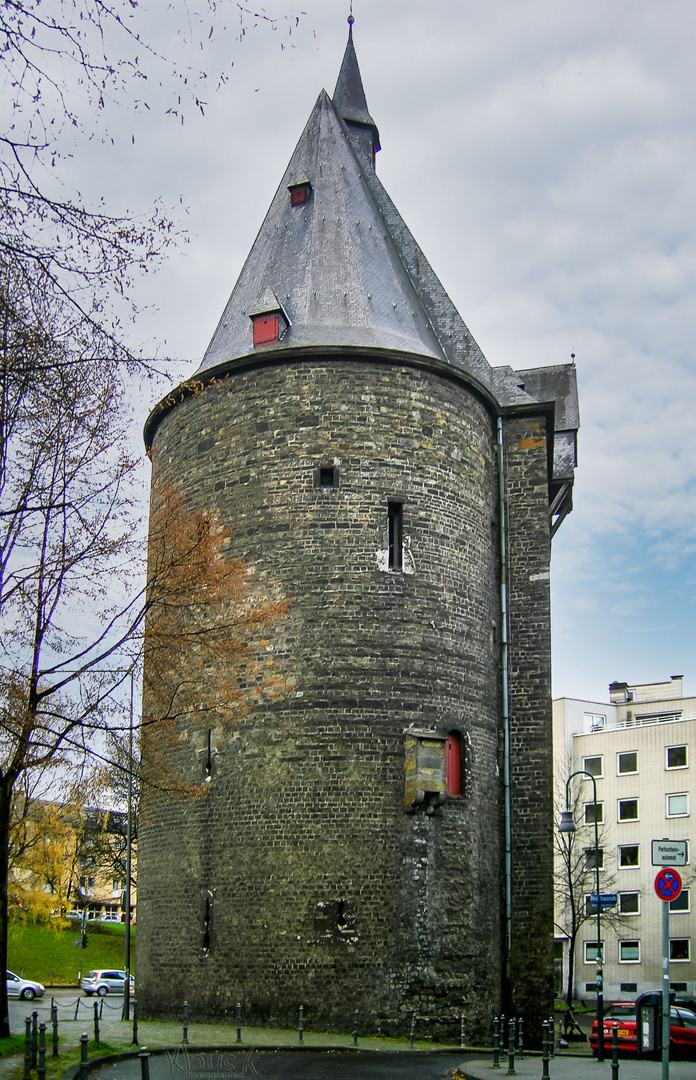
{"x":641,"y":749}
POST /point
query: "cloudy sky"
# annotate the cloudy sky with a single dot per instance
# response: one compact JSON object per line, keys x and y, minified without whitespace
{"x":544,"y":156}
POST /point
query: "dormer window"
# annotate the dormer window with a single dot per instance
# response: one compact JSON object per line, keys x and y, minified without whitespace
{"x":299,"y":193}
{"x":269,"y":321}
{"x":266,"y":328}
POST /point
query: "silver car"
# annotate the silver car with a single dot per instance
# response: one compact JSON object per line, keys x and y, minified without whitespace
{"x":23,"y":988}
{"x":105,"y":982}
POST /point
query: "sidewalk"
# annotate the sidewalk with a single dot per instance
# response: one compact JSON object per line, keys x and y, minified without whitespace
{"x":577,"y":1068}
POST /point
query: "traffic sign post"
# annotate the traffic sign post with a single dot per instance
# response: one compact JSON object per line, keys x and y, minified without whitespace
{"x":668,"y":885}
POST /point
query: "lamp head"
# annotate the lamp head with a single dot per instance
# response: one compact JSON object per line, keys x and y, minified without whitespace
{"x":567,"y":822}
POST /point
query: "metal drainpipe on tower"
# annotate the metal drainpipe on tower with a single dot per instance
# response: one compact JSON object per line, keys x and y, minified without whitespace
{"x":506,"y":709}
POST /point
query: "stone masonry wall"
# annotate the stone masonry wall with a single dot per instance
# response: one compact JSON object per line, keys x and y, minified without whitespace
{"x":529,"y":554}
{"x":319,"y":889}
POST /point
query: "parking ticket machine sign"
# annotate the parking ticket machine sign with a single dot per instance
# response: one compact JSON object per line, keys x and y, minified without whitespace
{"x":670,"y":852}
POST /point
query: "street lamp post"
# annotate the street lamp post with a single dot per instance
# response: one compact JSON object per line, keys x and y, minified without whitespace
{"x":568,"y":826}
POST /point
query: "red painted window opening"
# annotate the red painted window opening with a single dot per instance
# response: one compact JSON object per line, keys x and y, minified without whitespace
{"x":453,"y":764}
{"x":266,"y":329}
{"x":299,"y":193}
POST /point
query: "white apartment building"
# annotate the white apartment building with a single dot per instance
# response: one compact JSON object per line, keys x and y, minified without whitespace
{"x":641,"y":749}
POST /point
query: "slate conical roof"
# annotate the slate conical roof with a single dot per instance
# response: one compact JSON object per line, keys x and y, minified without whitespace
{"x":347,"y":275}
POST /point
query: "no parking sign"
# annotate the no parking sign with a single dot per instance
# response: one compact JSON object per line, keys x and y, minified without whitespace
{"x":668,"y":884}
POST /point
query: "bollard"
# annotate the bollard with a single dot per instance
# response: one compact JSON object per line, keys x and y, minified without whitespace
{"x":135,"y":1022}
{"x":54,"y":1023}
{"x":185,"y":1038}
{"x":552,"y":1033}
{"x":413,"y":1029}
{"x":41,"y":1067}
{"x":144,"y":1056}
{"x":496,"y":1043}
{"x":239,"y":1021}
{"x":520,"y":1040}
{"x":355,"y":1028}
{"x":84,"y":1064}
{"x":96,"y":1022}
{"x":300,"y":1027}
{"x":101,"y":1007}
{"x":34,"y":1038}
{"x":77,"y":1009}
{"x":511,"y":1047}
{"x":545,"y":1051}
{"x":27,"y":1048}
{"x":462,"y":1032}
{"x":614,"y":1051}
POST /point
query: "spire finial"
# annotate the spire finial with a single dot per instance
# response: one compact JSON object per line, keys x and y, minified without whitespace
{"x":351,"y":20}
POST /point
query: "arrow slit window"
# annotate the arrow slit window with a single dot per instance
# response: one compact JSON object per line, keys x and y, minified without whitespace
{"x":395,"y":535}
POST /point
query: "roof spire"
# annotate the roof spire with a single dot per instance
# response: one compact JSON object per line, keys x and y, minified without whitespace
{"x":350,"y":101}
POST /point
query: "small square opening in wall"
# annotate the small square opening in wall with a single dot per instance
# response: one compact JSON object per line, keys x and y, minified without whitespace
{"x":679,"y":950}
{"x":682,"y":903}
{"x":629,"y":988}
{"x":629,"y":952}
{"x":628,"y":762}
{"x":300,"y":193}
{"x":676,"y":757}
{"x":327,"y":476}
{"x":628,"y":810}
{"x":591,"y":988}
{"x":678,"y":805}
{"x":678,"y":987}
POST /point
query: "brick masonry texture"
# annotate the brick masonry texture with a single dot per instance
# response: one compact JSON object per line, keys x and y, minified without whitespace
{"x":320,"y":890}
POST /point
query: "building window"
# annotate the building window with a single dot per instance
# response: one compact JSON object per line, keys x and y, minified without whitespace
{"x":678,"y":987}
{"x":629,"y":952}
{"x":299,"y":193}
{"x":627,"y":763}
{"x":593,"y":765}
{"x":680,"y":949}
{"x":628,"y":810}
{"x":676,"y":757}
{"x":595,"y":721}
{"x":266,"y":328}
{"x":591,"y":988}
{"x":629,"y":988}
{"x":591,"y":952}
{"x":590,"y":809}
{"x":327,"y":476}
{"x":395,"y":534}
{"x":629,"y":856}
{"x":453,"y":763}
{"x":678,"y":805}
{"x":594,"y":859}
{"x":629,"y":903}
{"x":682,"y":903}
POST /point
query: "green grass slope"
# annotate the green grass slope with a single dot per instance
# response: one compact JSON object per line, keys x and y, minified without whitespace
{"x":49,"y":954}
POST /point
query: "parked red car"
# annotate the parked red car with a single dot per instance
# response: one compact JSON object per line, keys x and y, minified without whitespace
{"x":682,"y":1036}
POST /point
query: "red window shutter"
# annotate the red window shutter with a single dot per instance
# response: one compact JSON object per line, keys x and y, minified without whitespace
{"x":266,"y":329}
{"x":452,"y":763}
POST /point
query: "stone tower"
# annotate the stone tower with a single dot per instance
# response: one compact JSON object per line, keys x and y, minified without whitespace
{"x":376,"y":832}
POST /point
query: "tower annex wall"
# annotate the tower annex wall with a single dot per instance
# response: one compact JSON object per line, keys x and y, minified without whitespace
{"x":300,"y":863}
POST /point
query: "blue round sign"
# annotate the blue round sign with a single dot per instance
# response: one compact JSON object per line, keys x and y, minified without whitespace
{"x":668,"y":884}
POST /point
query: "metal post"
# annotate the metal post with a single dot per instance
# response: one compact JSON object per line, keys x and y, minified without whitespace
{"x":615,"y":1051}
{"x":41,"y":1067}
{"x":77,"y":1008}
{"x":135,"y":1023}
{"x":54,"y":1023}
{"x":355,"y":1028}
{"x":545,"y":1051}
{"x":552,"y":1034}
{"x":239,"y":1021}
{"x":520,"y":1039}
{"x":665,"y":990}
{"x":144,"y":1063}
{"x":462,"y":1032}
{"x":27,"y":1048}
{"x":34,"y":1038}
{"x":84,"y":1064}
{"x":511,"y":1047}
{"x":96,"y":1022}
{"x":300,"y":1027}
{"x":496,"y":1042}
{"x":413,"y":1029}
{"x":185,"y":1038}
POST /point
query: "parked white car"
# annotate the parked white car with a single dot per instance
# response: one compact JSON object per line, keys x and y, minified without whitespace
{"x":105,"y":982}
{"x":23,"y":988}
